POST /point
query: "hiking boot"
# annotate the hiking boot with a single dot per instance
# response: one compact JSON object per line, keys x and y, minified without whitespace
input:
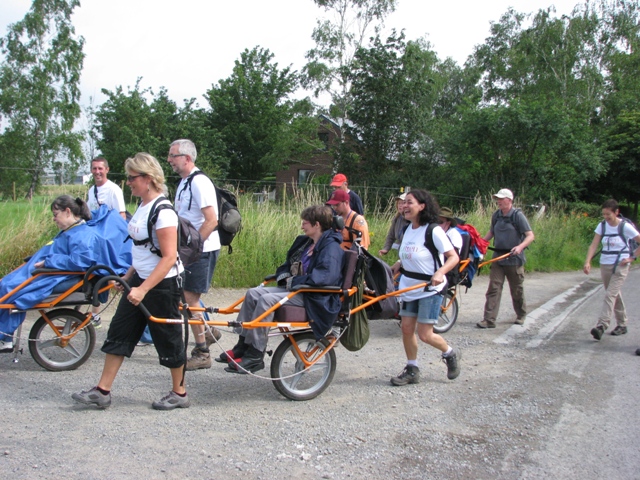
{"x":96,"y":321}
{"x":171,"y":401}
{"x":251,"y":361}
{"x":93,"y":397}
{"x":235,"y":353}
{"x":453,"y":367}
{"x":410,"y":374}
{"x":200,"y":358}
{"x":597,"y":332}
{"x":619,"y":330}
{"x":486,"y":324}
{"x":6,"y":346}
{"x":212,"y":335}
{"x":519,"y":321}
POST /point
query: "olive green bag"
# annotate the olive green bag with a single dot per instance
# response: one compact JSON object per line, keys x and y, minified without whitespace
{"x":357,"y":334}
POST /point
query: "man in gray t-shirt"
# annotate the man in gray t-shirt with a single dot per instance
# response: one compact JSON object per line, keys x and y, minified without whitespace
{"x":511,"y":233}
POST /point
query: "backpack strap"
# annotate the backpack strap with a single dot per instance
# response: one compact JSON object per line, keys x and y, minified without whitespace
{"x":187,"y":184}
{"x":431,"y":246}
{"x":511,"y":219}
{"x":151,"y":221}
{"x":95,"y":193}
{"x":350,"y":227}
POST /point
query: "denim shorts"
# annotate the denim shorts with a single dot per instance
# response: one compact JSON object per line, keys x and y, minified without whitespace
{"x":199,"y":274}
{"x":427,"y":309}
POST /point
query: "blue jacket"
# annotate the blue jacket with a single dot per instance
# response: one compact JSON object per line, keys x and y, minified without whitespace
{"x":325,"y":269}
{"x":99,"y":241}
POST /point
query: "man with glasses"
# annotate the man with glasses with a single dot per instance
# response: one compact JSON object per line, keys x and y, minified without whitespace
{"x":103,"y":192}
{"x":196,"y":201}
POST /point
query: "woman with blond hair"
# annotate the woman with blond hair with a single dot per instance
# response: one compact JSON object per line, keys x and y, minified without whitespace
{"x":155,"y":278}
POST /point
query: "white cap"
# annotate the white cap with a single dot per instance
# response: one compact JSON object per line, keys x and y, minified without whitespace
{"x":504,"y":193}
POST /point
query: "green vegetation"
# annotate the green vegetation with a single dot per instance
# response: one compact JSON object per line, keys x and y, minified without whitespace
{"x":562,"y":236}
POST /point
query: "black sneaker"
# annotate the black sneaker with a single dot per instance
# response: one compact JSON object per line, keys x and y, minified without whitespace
{"x":597,"y":332}
{"x":619,"y":330}
{"x":410,"y":374}
{"x":453,"y":367}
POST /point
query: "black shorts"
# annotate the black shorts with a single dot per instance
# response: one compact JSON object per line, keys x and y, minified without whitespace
{"x":129,"y":322}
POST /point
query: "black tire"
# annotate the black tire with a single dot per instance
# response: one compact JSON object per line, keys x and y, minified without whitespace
{"x":46,"y":348}
{"x":448,"y":313}
{"x":286,"y":362}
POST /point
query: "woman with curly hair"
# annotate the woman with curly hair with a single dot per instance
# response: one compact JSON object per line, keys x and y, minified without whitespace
{"x":421,"y":306}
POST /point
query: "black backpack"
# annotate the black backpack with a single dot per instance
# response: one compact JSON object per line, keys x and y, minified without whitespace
{"x":454,"y":277}
{"x":190,"y":241}
{"x":229,"y":218}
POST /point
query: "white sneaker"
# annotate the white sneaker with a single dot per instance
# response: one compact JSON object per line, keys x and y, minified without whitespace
{"x":6,"y":346}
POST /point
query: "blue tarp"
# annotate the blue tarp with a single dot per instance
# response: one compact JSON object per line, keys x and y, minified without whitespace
{"x":101,"y":240}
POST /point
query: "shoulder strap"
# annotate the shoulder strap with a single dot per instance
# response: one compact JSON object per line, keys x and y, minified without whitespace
{"x":153,"y":218}
{"x":187,"y":184}
{"x":621,"y":225}
{"x":430,"y":244}
{"x":95,"y":193}
{"x":350,"y":227}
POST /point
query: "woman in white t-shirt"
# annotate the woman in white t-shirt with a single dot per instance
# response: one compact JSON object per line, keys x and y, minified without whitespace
{"x":420,"y":306}
{"x":614,"y":266}
{"x":155,"y":279}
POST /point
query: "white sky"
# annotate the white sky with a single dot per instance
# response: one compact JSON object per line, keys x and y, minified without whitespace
{"x":189,"y":45}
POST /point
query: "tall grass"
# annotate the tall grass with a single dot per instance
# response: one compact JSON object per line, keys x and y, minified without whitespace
{"x":562,"y":237}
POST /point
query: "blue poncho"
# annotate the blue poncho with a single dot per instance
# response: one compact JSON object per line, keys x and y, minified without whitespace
{"x":101,"y":240}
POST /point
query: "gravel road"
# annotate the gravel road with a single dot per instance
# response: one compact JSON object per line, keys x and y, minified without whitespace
{"x":532,"y":401}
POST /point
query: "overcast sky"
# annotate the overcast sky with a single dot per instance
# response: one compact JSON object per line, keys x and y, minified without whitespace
{"x":189,"y":45}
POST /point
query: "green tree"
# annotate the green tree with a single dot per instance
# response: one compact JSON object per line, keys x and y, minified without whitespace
{"x":123,"y":126}
{"x":330,"y":61}
{"x":39,"y":94}
{"x":140,"y":121}
{"x":528,"y":147}
{"x":255,"y":116}
{"x":623,"y":142}
{"x":393,"y":96}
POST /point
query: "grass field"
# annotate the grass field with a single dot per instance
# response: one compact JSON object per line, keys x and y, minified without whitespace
{"x":562,"y":237}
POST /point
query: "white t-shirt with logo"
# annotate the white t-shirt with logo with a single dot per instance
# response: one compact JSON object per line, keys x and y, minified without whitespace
{"x":201,"y":194}
{"x":415,"y":257}
{"x":614,"y":243}
{"x":144,"y":260}
{"x":109,"y":194}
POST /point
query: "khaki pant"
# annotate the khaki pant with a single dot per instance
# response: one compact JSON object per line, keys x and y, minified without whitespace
{"x":613,"y":303}
{"x":515,"y":276}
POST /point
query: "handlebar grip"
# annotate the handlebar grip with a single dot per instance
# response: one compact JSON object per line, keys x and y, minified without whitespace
{"x":125,"y":285}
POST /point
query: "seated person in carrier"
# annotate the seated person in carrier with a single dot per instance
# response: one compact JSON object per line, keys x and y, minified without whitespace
{"x":82,"y":242}
{"x":314,"y":259}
